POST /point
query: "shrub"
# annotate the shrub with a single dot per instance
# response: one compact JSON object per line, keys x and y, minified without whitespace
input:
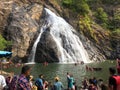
{"x":79,"y":6}
{"x":85,"y":25}
{"x":4,"y":43}
{"x":67,"y":3}
{"x":101,"y":17}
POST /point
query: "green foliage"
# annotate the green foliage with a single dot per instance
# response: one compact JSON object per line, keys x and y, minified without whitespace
{"x":88,"y":8}
{"x":79,"y":6}
{"x":85,"y":25}
{"x":85,"y":22}
{"x":116,"y":32}
{"x":109,"y":1}
{"x":67,"y":3}
{"x":115,"y":38}
{"x":4,"y":43}
{"x":117,"y":19}
{"x":93,"y":2}
{"x":114,"y":23}
{"x":102,"y":17}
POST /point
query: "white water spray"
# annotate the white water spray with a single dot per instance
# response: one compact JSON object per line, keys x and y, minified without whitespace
{"x":68,"y":43}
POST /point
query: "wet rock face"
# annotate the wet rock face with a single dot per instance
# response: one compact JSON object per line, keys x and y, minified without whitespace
{"x":93,"y":52}
{"x":46,"y":49}
{"x":22,"y":27}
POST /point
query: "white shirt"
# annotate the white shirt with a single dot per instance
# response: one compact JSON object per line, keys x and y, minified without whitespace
{"x":2,"y":81}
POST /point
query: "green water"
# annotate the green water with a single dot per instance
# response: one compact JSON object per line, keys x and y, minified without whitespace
{"x":60,"y":70}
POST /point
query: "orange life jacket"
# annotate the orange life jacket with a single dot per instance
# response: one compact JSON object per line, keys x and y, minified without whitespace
{"x":117,"y":79}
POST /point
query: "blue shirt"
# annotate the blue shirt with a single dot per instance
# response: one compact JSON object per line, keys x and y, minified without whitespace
{"x":39,"y":82}
{"x":58,"y":86}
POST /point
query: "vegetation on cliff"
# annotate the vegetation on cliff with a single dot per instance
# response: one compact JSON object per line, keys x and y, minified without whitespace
{"x":4,"y":43}
{"x":98,"y":11}
{"x":99,"y":20}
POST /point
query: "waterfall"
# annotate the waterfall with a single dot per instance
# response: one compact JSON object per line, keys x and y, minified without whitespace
{"x":31,"y":58}
{"x":68,"y":43}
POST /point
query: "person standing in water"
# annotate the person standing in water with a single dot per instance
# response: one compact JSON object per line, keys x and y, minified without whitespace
{"x":71,"y":82}
{"x":118,"y":65}
{"x":45,"y":63}
{"x":68,"y":81}
{"x":57,"y":85}
{"x":39,"y":82}
{"x":114,"y":80}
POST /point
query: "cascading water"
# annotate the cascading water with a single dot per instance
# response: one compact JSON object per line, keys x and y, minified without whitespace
{"x":31,"y":58}
{"x":68,"y":43}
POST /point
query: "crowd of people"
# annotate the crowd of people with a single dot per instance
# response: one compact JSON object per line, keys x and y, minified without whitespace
{"x":25,"y":81}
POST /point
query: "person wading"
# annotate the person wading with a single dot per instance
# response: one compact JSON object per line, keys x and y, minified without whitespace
{"x":114,"y":80}
{"x":39,"y":82}
{"x":57,"y":85}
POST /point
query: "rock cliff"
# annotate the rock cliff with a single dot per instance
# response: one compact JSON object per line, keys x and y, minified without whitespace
{"x":21,"y":21}
{"x":22,"y":28}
